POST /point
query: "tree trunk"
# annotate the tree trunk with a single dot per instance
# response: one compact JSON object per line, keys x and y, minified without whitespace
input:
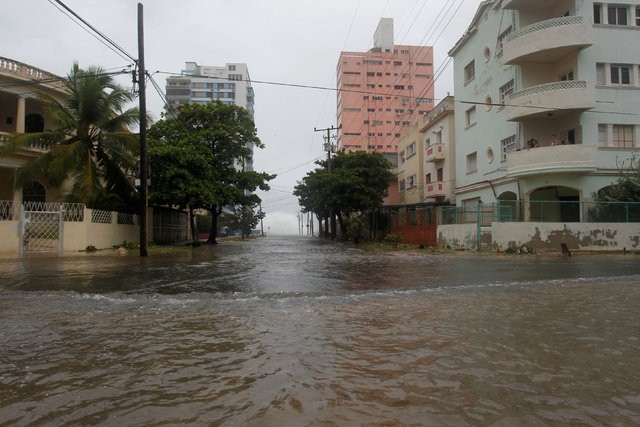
{"x":194,"y":232}
{"x":333,"y":224}
{"x":341,"y":222}
{"x":213,"y":233}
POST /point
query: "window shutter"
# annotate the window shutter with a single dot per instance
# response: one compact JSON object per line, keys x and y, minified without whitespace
{"x":600,"y":75}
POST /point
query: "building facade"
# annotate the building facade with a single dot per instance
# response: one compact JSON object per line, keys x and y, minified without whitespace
{"x":546,"y":102}
{"x":382,"y":91}
{"x":426,"y":158}
{"x":229,"y":84}
{"x":21,"y":111}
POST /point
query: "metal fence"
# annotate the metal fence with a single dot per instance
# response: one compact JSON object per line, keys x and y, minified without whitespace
{"x":10,"y":210}
{"x":541,"y":211}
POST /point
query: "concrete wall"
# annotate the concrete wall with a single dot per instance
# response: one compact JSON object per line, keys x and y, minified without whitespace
{"x":462,"y":236}
{"x":547,"y":236}
{"x":9,"y":241}
{"x":79,"y":235}
{"x":76,"y":235}
{"x":543,"y":236}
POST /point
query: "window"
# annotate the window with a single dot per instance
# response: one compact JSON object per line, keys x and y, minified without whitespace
{"x":438,"y":136}
{"x":411,"y":149}
{"x":377,"y":98}
{"x":566,"y":76}
{"x":505,"y":91}
{"x":428,"y":178}
{"x":372,"y":62}
{"x":602,"y":135}
{"x":508,"y":145}
{"x":398,"y":87}
{"x":637,"y":16}
{"x":597,"y":13}
{"x":411,"y":181}
{"x":439,"y":175}
{"x":501,"y":38}
{"x":469,"y":71}
{"x":623,"y":136}
{"x":232,"y":67}
{"x":401,"y":185}
{"x":470,"y":116}
{"x":601,"y":78}
{"x":617,"y":15}
{"x":621,"y":74}
{"x":472,"y":162}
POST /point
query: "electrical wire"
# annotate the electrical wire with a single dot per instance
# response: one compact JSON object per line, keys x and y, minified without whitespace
{"x":116,"y":48}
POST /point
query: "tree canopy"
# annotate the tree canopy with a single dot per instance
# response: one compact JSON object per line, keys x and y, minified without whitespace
{"x":198,"y":159}
{"x":89,"y":144}
{"x":356,"y":184}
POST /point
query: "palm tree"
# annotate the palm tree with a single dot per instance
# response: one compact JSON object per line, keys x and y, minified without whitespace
{"x":90,"y":144}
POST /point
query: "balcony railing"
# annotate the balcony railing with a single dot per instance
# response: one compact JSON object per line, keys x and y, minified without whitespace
{"x":435,"y":152}
{"x":435,"y":189}
{"x":27,"y":72}
{"x":551,"y":99}
{"x":552,"y":159}
{"x":547,"y":41}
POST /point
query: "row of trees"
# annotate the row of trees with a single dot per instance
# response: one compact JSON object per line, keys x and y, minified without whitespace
{"x":353,"y":185}
{"x":197,"y":157}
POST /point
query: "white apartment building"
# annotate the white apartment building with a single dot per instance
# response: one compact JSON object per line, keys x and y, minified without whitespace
{"x":528,"y":70}
{"x":229,"y":84}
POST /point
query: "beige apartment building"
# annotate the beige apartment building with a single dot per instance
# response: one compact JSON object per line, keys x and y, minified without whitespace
{"x":426,"y":158}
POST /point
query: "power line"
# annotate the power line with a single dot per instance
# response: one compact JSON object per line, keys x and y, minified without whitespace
{"x":115,"y":46}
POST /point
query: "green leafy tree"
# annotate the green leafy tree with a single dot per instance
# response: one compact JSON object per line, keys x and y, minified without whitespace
{"x":315,"y":195}
{"x":619,"y":201}
{"x":356,"y":184}
{"x":245,"y":218}
{"x":198,"y":160}
{"x":89,"y":144}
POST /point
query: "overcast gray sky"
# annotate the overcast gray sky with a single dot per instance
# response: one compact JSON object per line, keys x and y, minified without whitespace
{"x":282,"y":41}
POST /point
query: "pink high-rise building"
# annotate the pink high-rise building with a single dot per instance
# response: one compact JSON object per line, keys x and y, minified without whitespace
{"x":382,"y":91}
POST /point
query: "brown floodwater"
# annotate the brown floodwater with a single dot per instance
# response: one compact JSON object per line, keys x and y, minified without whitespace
{"x":302,"y":332}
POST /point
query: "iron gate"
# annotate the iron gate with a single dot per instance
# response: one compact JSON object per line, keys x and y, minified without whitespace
{"x":41,"y":230}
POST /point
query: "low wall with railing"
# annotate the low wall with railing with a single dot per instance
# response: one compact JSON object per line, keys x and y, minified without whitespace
{"x":82,"y":227}
{"x":100,"y":229}
{"x":542,"y":236}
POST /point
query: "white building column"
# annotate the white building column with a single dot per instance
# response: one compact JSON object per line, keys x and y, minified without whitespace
{"x":20,"y":115}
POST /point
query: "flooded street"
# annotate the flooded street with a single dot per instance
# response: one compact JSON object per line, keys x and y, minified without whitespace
{"x":301,"y":332}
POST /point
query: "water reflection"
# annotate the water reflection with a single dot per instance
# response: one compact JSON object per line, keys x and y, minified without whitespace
{"x":304,"y":332}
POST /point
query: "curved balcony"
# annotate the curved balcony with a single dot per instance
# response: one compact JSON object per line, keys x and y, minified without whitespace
{"x":435,"y":189}
{"x":553,"y":159}
{"x":435,"y":153}
{"x":547,"y":41}
{"x":551,"y":100}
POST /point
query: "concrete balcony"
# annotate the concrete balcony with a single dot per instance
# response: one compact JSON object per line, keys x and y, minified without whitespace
{"x":551,"y":100}
{"x":435,"y":153}
{"x":547,"y":41}
{"x":552,"y":159}
{"x":435,"y":189}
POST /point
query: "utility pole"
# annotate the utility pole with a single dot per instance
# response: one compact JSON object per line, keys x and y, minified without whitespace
{"x":143,"y":135}
{"x":330,"y":148}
